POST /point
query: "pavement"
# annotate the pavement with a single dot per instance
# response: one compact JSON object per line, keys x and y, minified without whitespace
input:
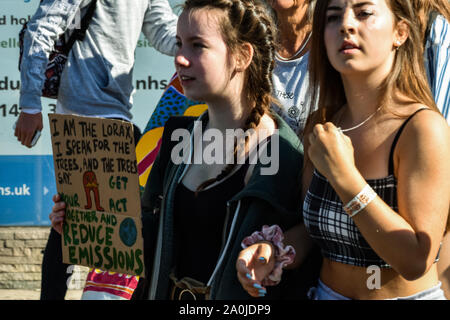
{"x":13,"y":294}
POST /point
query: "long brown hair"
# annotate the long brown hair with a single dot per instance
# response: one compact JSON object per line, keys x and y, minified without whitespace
{"x":407,"y":75}
{"x":246,"y":21}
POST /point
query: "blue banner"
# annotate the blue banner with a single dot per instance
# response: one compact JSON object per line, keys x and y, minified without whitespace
{"x":27,"y":184}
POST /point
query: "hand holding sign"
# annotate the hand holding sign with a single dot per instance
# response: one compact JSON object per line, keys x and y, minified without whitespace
{"x":96,"y":177}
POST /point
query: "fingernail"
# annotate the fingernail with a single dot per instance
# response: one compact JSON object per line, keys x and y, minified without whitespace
{"x":248,"y":276}
{"x":261,"y":295}
{"x":262,"y":291}
{"x":257,"y":286}
{"x":262,"y":259}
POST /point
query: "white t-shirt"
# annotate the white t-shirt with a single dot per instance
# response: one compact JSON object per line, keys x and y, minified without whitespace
{"x":291,"y":82}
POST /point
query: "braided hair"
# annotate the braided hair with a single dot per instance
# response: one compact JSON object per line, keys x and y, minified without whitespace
{"x":246,"y":21}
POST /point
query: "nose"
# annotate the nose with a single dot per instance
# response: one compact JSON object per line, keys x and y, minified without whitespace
{"x":348,"y":25}
{"x":181,"y":60}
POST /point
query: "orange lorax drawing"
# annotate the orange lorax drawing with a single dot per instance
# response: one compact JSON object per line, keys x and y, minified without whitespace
{"x":90,"y":184}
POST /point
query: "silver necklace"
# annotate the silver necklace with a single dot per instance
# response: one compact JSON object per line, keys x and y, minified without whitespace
{"x":295,"y":54}
{"x":360,"y":124}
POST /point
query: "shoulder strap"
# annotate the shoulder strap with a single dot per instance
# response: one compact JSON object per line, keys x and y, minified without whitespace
{"x":78,"y":34}
{"x":397,"y":136}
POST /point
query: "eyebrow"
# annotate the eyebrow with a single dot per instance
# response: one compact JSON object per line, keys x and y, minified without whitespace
{"x":193,"y":38}
{"x":357,"y":5}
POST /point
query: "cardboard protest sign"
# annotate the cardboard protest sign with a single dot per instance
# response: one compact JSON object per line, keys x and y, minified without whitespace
{"x":96,"y":176}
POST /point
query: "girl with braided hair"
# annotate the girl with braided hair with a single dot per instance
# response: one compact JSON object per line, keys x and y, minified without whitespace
{"x":196,"y":213}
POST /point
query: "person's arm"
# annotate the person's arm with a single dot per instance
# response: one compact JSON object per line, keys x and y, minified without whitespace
{"x":409,"y":239}
{"x":160,"y":26}
{"x":437,"y":64}
{"x":50,"y":21}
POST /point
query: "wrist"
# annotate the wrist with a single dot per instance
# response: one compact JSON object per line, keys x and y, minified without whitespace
{"x":360,"y":201}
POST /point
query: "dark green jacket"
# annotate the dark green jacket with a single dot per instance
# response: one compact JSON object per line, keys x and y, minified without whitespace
{"x":266,"y":199}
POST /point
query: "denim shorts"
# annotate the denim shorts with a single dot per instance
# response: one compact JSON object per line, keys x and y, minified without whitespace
{"x":322,"y":292}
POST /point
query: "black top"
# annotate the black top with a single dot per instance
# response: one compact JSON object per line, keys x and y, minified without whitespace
{"x":199,"y":225}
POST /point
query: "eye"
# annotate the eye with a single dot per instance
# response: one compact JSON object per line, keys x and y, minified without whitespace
{"x":332,"y":18}
{"x":178,"y":44}
{"x":198,"y":45}
{"x":364,"y":14}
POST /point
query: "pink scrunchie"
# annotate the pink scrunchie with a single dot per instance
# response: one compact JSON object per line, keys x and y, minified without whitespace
{"x":284,"y":255}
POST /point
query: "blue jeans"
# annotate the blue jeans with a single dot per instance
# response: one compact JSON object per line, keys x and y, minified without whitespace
{"x":322,"y":292}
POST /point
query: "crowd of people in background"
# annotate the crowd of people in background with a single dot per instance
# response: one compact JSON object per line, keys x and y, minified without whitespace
{"x":353,"y":93}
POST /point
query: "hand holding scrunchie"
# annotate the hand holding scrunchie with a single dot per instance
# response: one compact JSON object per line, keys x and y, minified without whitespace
{"x":284,"y":255}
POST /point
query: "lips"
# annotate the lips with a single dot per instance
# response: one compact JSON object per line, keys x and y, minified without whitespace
{"x":348,"y":45}
{"x":185,"y":80}
{"x":185,"y":77}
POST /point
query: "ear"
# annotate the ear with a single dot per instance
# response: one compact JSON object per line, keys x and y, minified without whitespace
{"x":244,"y":57}
{"x":401,"y":34}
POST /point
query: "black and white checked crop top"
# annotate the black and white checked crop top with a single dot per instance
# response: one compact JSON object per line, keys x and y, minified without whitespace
{"x":333,"y":229}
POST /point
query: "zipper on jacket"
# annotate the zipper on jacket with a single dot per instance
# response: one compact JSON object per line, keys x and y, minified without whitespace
{"x":225,"y":249}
